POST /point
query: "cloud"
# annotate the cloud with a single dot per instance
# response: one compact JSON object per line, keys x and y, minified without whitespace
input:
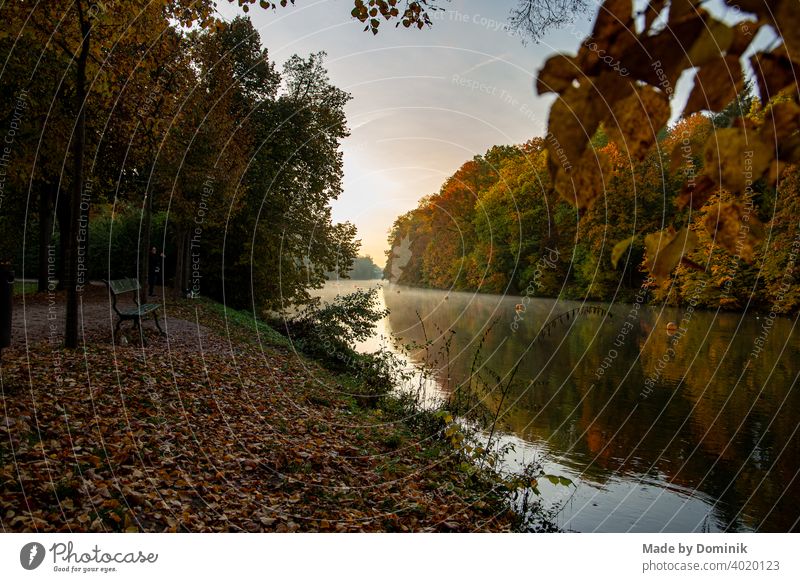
{"x":360,"y":120}
{"x":502,"y":57}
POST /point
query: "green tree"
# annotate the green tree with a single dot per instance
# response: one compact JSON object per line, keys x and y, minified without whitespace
{"x":83,"y":33}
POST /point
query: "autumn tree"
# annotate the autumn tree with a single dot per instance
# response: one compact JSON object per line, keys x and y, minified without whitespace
{"x":632,"y":101}
{"x":84,"y":33}
{"x":39,"y":113}
{"x":272,"y":231}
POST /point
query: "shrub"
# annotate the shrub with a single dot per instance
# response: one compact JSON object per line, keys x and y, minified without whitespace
{"x":328,"y":332}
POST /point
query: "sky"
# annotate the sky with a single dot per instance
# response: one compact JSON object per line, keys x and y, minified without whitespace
{"x":423,"y":101}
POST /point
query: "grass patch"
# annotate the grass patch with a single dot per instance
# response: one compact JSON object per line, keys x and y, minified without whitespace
{"x":245,"y":321}
{"x":24,"y":288}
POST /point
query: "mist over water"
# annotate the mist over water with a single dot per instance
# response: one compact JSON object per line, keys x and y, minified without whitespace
{"x":695,"y":431}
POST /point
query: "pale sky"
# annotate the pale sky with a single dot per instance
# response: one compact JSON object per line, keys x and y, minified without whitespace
{"x":424,"y":101}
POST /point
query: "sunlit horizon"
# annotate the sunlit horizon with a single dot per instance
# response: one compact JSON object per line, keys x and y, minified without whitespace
{"x":423,"y":102}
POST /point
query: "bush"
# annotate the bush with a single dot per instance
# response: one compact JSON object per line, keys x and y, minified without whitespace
{"x":377,"y":375}
{"x":115,"y":240}
{"x":328,"y":332}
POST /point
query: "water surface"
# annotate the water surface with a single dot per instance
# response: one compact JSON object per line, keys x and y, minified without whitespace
{"x":696,"y":431}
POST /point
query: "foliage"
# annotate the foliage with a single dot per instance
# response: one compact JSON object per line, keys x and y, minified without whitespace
{"x":87,"y":40}
{"x":363,"y":269}
{"x":518,"y":236}
{"x":531,"y":19}
{"x":114,"y":240}
{"x":194,"y":125}
{"x":632,"y":102}
{"x":329,"y":331}
{"x":285,"y":225}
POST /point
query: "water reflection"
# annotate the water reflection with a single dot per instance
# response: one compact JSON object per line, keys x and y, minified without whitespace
{"x":692,"y":432}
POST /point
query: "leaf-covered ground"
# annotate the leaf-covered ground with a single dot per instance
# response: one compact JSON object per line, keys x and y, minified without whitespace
{"x":214,"y":428}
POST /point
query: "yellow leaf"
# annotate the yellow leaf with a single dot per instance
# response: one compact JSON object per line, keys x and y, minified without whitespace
{"x":574,"y":118}
{"x":780,"y":128}
{"x":665,"y":250}
{"x":735,"y":158}
{"x":637,"y":120}
{"x":714,"y":41}
{"x":619,"y":249}
{"x":743,"y":34}
{"x":736,"y":228}
{"x":716,"y":84}
{"x":788,"y":18}
{"x":557,"y":74}
{"x":583,"y":184}
{"x":774,"y":72}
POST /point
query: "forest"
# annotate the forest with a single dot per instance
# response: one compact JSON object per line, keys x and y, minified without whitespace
{"x":497,"y":225}
{"x":163,"y":125}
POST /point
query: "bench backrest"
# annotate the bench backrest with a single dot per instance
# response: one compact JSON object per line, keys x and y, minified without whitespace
{"x":119,"y":286}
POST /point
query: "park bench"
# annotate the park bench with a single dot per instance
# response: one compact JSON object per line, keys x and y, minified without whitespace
{"x":119,"y":287}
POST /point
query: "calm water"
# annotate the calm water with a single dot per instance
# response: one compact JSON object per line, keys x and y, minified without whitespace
{"x":659,"y":433}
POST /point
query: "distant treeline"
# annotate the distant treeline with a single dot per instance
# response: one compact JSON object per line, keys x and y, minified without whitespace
{"x":497,"y":226}
{"x":363,"y":269}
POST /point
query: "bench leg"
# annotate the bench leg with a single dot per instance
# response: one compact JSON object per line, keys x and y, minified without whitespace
{"x":137,"y":322}
{"x":116,"y":329}
{"x":158,"y":325}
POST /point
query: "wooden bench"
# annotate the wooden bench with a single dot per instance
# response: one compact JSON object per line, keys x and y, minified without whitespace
{"x":117,"y":287}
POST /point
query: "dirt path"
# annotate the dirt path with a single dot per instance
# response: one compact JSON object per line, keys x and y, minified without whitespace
{"x":40,"y":317}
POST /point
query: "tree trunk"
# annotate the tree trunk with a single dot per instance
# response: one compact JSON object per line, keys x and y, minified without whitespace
{"x":181,"y":249}
{"x":46,"y":199}
{"x":71,"y":252}
{"x":144,"y":245}
{"x":64,"y":229}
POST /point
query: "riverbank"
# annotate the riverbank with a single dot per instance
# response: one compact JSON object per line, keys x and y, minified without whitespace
{"x":627,"y":296}
{"x":220,"y":426}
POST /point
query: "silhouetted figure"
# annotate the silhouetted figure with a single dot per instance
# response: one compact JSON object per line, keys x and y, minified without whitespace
{"x":154,"y":275}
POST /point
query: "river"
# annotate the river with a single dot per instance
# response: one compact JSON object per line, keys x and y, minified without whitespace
{"x":659,"y":432}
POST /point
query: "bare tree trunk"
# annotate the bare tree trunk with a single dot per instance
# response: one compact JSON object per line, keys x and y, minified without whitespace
{"x":64,"y":228}
{"x":144,"y":244}
{"x":181,"y":250}
{"x":46,"y":199}
{"x":71,"y":252}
